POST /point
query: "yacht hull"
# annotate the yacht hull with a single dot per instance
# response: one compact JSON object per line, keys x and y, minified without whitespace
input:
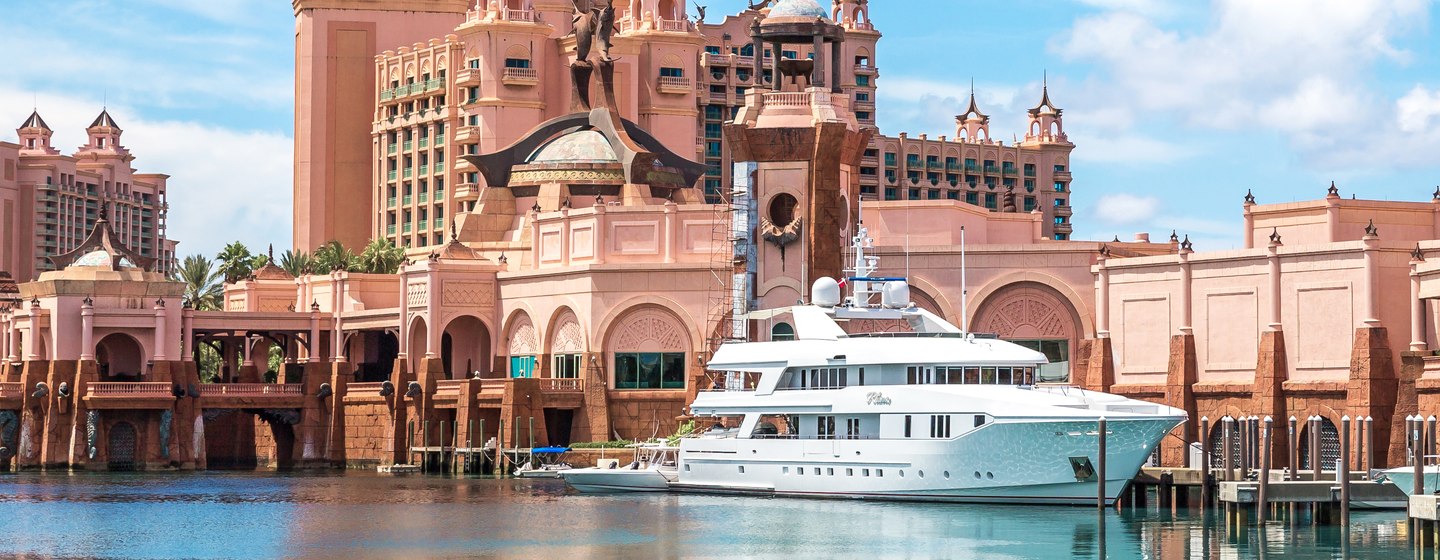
{"x":594,"y":480}
{"x":1039,"y":461}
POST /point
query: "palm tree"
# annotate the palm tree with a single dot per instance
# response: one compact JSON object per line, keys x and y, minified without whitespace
{"x":381,"y":257}
{"x":333,"y":256}
{"x":297,"y":263}
{"x":236,"y":262}
{"x":202,"y":282}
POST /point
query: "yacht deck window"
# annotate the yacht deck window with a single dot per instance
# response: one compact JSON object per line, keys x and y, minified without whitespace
{"x":825,"y":427}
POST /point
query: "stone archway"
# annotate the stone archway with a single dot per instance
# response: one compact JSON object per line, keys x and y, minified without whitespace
{"x":1037,"y":316}
{"x":521,"y":346}
{"x":465,"y":347}
{"x":119,"y":355}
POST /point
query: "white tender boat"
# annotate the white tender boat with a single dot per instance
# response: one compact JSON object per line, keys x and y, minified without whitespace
{"x":654,"y":469}
{"x":1404,"y":478}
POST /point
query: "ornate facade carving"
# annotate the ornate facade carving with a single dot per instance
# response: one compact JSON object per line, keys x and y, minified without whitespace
{"x":569,"y":336}
{"x":469,"y":294}
{"x":92,"y":432}
{"x":1027,"y":310}
{"x":417,"y":294}
{"x":649,"y":330}
{"x":522,"y":337}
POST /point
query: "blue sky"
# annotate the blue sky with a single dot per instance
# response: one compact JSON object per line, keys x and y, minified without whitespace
{"x":1176,"y":107}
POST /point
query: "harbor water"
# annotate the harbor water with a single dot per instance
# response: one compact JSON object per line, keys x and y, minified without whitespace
{"x":357,"y":515}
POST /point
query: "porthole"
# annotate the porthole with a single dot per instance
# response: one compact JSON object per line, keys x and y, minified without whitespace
{"x":990,"y":475}
{"x":687,"y":468}
{"x":920,"y":474}
{"x":902,"y":474}
{"x":977,"y":475}
{"x":742,"y":469}
{"x":947,"y":475}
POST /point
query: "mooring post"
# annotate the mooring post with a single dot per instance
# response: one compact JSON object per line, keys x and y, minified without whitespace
{"x":1227,"y":445}
{"x":500,"y":447}
{"x":1315,"y":467}
{"x":1262,"y":509}
{"x":479,"y":467}
{"x":1417,"y":447}
{"x":1205,"y":461}
{"x":1245,"y":436}
{"x":1100,"y":470}
{"x":410,"y":444}
{"x":532,"y":437}
{"x":1345,"y":473}
{"x":1162,"y":493}
{"x":1295,"y":449}
{"x":440,"y":455}
{"x":424,"y":445}
{"x":1369,"y":444}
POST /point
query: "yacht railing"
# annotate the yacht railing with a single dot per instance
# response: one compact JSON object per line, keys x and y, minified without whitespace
{"x":811,"y":436}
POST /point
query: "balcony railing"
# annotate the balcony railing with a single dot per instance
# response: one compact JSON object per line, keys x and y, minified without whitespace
{"x":520,"y":77}
{"x":250,"y":389}
{"x":129,"y":389}
{"x":675,"y":25}
{"x":12,"y":389}
{"x":562,"y":384}
{"x":519,"y":15}
{"x":674,"y":84}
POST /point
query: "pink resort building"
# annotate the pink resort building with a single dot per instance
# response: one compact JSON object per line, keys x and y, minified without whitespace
{"x":584,"y":232}
{"x":49,"y":201}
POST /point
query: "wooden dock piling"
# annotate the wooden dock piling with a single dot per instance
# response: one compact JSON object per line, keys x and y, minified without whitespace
{"x":1294,"y":444}
{"x":1205,"y":462}
{"x":1262,"y":512}
{"x":1227,"y":430}
{"x":1343,"y":470}
{"x":1100,"y":469}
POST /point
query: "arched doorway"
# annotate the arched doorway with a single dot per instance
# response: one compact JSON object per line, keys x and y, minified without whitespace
{"x":521,"y":346}
{"x":465,"y":347}
{"x":649,"y":348}
{"x":1329,"y":445}
{"x":567,"y":346}
{"x":419,"y":338}
{"x":119,"y":356}
{"x":1036,"y":316}
{"x":123,"y":445}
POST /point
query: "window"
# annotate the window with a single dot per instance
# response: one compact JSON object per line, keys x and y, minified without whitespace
{"x":517,"y":63}
{"x":782,"y":331}
{"x":824,"y":429}
{"x":1061,"y":237}
{"x":907,"y":425}
{"x":862,"y":115}
{"x":650,"y":370}
{"x":1029,"y":203}
{"x":852,"y":428}
{"x":862,"y":96}
{"x":520,"y":366}
{"x":714,"y":112}
{"x":1060,"y":220}
{"x":940,"y":426}
{"x":566,"y":366}
{"x":1059,"y":202}
{"x":712,"y":130}
{"x":711,"y":49}
{"x":667,"y":72}
{"x":1059,"y":186}
{"x":862,"y":81}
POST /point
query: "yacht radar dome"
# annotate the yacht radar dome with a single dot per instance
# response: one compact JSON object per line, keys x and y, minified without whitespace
{"x":825,"y":292}
{"x":895,"y":295}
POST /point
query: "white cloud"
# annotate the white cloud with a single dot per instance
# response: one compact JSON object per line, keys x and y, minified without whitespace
{"x":1415,"y":111}
{"x":1126,"y":209}
{"x":1299,"y":68}
{"x":224,"y":184}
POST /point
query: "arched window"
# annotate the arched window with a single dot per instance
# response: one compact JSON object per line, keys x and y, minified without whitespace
{"x":782,"y":331}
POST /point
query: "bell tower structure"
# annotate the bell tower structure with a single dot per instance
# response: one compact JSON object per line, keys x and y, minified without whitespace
{"x":797,"y":147}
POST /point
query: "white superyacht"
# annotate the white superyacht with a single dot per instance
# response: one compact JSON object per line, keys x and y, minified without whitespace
{"x":934,"y":414}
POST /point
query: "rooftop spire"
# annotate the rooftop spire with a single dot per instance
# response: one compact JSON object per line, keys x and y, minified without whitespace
{"x":34,"y":121}
{"x":104,"y":120}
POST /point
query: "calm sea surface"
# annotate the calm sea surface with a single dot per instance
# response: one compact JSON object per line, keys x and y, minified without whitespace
{"x":360,"y":515}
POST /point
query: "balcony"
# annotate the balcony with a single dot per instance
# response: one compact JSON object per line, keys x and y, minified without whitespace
{"x":424,"y":170}
{"x":865,"y":68}
{"x":467,"y":191}
{"x":1063,"y":176}
{"x":409,"y":172}
{"x":390,"y":175}
{"x":129,"y":395}
{"x":1008,"y":171}
{"x":720,"y":96}
{"x":391,"y":148}
{"x":408,"y":145}
{"x":674,"y":84}
{"x":934,"y":165}
{"x":467,"y":134}
{"x":424,"y":142}
{"x":675,"y":25}
{"x":424,"y":196}
{"x":468,"y":77}
{"x":742,"y":60}
{"x":390,"y":229}
{"x":713,"y":59}
{"x":406,"y":229}
{"x":439,"y":223}
{"x":406,"y":201}
{"x":520,"y":77}
{"x":518,"y":15}
{"x":390,"y":202}
{"x":1064,"y":211}
{"x":562,"y":385}
{"x":1030,"y":172}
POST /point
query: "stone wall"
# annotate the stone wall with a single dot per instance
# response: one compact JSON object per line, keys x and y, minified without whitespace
{"x":367,"y":432}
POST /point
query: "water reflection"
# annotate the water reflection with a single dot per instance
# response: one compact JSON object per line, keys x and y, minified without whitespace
{"x":361,"y":515}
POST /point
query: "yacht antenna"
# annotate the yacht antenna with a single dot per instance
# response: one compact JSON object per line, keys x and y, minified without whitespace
{"x":964,"y":293}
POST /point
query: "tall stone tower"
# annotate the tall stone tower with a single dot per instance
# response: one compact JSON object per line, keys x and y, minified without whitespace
{"x":336,"y":42}
{"x":797,"y":146}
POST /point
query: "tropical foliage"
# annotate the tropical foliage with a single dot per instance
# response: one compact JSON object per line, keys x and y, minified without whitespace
{"x":236,"y":262}
{"x":203,"y":289}
{"x":297,"y":263}
{"x":333,"y":256}
{"x":381,"y":257}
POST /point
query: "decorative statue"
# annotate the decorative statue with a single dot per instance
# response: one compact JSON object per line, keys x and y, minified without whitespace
{"x":700,"y":13}
{"x":92,"y":432}
{"x":762,"y":4}
{"x":594,"y":21}
{"x":780,"y":236}
{"x":9,"y":426}
{"x":165,"y":418}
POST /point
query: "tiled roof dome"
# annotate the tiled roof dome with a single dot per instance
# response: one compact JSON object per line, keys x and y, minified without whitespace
{"x":102,"y":258}
{"x":798,"y":8}
{"x":583,"y":146}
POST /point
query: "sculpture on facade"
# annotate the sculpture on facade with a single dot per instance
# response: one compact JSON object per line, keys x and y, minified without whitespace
{"x":780,"y":236}
{"x":594,"y":23}
{"x":699,"y":13}
{"x":9,"y":426}
{"x":165,"y":418}
{"x":92,"y":432}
